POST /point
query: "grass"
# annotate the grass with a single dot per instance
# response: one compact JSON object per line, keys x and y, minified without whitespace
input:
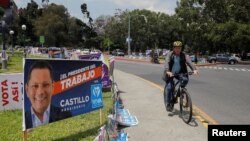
{"x":15,"y":62}
{"x":79,"y":128}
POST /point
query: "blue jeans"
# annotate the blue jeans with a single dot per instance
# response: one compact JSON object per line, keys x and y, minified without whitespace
{"x":169,"y":86}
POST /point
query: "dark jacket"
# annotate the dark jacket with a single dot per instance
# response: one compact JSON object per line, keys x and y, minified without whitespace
{"x":55,"y":115}
{"x":184,"y":61}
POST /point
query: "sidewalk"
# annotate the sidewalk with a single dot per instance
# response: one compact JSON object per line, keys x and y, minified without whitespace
{"x":155,"y":124}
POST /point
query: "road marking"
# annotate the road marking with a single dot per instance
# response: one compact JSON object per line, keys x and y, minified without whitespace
{"x":224,"y":68}
{"x":202,"y":116}
{"x":237,"y":69}
{"x":204,"y":122}
{"x":209,"y":119}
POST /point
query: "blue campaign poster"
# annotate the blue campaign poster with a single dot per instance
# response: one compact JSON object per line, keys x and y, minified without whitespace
{"x":58,"y":89}
{"x":123,"y":117}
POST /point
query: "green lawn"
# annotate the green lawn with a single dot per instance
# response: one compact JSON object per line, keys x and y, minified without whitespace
{"x":15,"y":63}
{"x":80,"y":128}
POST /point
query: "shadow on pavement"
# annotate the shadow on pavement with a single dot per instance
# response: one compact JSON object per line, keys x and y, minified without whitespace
{"x":176,"y":112}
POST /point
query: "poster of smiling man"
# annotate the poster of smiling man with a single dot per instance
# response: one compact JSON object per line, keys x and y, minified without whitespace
{"x":58,"y":89}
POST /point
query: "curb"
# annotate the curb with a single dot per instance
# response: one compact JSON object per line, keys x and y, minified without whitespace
{"x":145,"y":61}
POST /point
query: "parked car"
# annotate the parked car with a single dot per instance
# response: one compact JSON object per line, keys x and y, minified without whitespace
{"x":224,"y":58}
{"x":95,"y":51}
{"x":236,"y":56}
{"x":86,"y":51}
{"x":118,"y":52}
{"x":43,"y":50}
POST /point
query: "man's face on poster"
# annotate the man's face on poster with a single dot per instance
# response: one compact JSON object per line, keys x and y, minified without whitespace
{"x":39,"y":89}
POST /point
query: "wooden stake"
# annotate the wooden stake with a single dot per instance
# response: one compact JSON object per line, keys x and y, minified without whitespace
{"x":25,"y":135}
{"x":100,"y":116}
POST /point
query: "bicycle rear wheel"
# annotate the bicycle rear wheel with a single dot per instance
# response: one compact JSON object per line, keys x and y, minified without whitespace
{"x":186,"y":106}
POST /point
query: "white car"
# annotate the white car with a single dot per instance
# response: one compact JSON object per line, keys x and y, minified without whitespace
{"x":85,"y":51}
{"x":95,"y":51}
{"x":236,"y":56}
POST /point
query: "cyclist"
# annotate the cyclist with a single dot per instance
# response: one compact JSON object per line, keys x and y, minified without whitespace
{"x":175,"y":62}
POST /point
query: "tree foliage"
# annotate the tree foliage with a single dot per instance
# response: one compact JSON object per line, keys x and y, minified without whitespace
{"x":202,"y":25}
{"x":55,"y":24}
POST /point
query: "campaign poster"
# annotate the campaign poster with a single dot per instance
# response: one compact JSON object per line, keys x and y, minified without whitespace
{"x":106,"y":82}
{"x":123,"y":117}
{"x":11,"y":86}
{"x":58,"y":89}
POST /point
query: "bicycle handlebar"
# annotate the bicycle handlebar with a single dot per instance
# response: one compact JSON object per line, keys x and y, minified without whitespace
{"x":188,"y":73}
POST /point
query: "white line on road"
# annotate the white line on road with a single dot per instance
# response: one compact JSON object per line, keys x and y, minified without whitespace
{"x":221,"y":68}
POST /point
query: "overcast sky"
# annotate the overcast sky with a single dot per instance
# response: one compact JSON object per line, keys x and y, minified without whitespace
{"x":107,"y":7}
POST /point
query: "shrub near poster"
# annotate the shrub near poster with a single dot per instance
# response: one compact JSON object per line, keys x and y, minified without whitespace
{"x":71,"y":88}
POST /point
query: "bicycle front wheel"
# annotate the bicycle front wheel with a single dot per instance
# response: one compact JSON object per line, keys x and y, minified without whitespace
{"x":186,"y":106}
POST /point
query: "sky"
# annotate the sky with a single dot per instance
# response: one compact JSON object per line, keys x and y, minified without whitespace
{"x":108,"y":7}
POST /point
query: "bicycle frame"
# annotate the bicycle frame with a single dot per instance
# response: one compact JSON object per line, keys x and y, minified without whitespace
{"x":177,"y":86}
{"x":180,"y":91}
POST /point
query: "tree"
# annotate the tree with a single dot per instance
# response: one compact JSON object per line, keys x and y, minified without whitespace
{"x":1,"y":12}
{"x":53,"y":24}
{"x":1,"y":15}
{"x":214,"y":25}
{"x":228,"y":18}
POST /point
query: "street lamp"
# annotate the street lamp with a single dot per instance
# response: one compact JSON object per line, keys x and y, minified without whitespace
{"x":129,"y":38}
{"x":4,"y":56}
{"x":12,"y":41}
{"x":24,"y":49}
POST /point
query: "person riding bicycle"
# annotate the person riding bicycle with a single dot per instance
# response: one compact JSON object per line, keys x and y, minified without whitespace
{"x":175,"y":63}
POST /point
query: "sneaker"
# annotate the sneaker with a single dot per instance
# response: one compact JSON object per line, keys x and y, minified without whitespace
{"x":169,"y":109}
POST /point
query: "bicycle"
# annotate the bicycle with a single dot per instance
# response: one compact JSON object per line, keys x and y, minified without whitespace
{"x":185,"y":101}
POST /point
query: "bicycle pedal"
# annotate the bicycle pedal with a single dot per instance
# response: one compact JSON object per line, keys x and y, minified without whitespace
{"x":175,"y":100}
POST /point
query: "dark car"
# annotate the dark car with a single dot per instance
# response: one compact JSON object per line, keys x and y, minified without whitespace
{"x":118,"y":52}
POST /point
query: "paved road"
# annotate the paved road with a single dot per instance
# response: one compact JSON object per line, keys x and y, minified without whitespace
{"x":222,"y":91}
{"x":155,"y":124}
